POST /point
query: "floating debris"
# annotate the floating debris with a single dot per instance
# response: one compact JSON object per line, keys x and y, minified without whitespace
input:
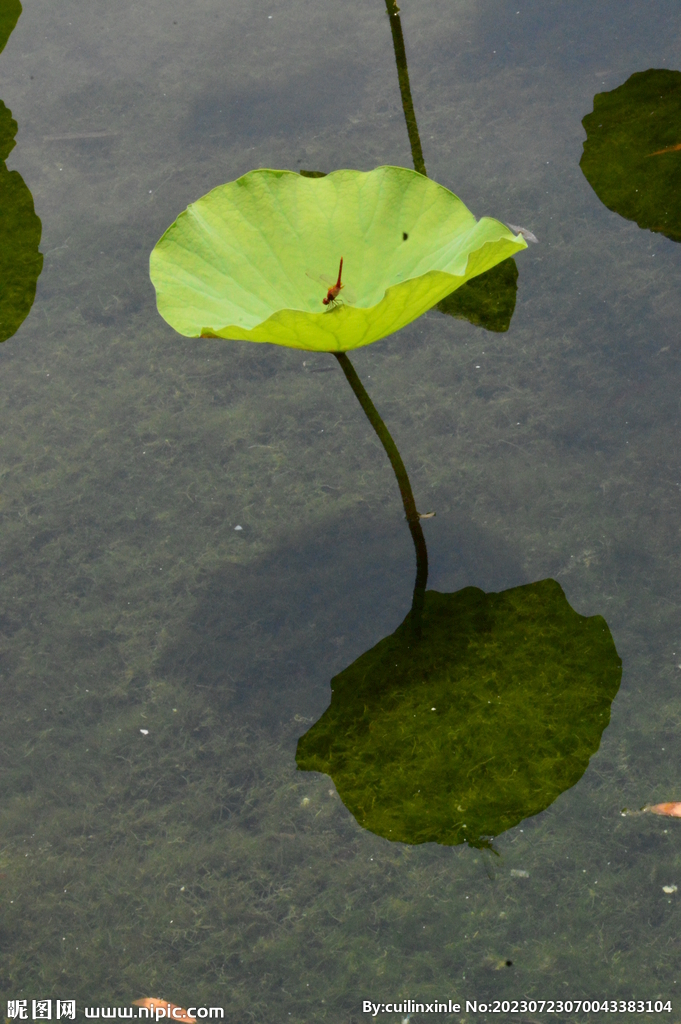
{"x":519,"y":873}
{"x":669,"y":889}
{"x":525,"y":232}
{"x":672,"y":810}
{"x":669,"y":810}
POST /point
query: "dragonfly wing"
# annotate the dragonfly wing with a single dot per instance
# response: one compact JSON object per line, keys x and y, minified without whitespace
{"x":321,"y":278}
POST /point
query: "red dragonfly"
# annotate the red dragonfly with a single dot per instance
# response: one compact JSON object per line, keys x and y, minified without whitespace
{"x":334,"y":287}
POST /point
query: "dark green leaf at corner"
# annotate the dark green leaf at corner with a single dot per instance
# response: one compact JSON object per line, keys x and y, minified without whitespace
{"x":8,"y":129}
{"x":486,"y":301}
{"x":482,"y":723}
{"x":20,"y":231}
{"x":9,"y":15}
{"x":632,"y":153}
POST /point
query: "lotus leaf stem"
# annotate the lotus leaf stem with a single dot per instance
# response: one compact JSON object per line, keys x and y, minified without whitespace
{"x":405,"y":89}
{"x":410,"y":511}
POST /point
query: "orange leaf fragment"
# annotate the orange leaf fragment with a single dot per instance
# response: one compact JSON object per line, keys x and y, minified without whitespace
{"x":159,"y":1009}
{"x":669,"y":149}
{"x":672,"y":810}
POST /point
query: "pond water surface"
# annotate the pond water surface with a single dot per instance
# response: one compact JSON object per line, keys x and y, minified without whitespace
{"x":159,"y":665}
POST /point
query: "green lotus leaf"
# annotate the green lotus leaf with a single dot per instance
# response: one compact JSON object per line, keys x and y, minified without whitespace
{"x":632,"y":153}
{"x":9,"y":15}
{"x":481,"y":723}
{"x":241,"y":262}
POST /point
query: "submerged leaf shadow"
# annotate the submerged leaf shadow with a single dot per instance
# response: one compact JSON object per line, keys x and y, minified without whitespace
{"x":482,"y":721}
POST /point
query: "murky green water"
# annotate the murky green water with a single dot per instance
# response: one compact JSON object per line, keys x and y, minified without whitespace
{"x":159,"y":666}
